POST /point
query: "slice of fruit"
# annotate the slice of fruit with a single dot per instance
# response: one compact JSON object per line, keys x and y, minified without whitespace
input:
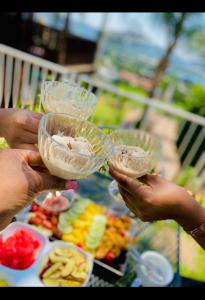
{"x":52,"y":269}
{"x":65,"y":228}
{"x":69,"y":283}
{"x":68,"y":268}
{"x":51,"y":282}
{"x":96,"y":232}
{"x":3,"y":283}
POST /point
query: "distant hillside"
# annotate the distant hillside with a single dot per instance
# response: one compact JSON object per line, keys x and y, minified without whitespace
{"x":138,"y":50}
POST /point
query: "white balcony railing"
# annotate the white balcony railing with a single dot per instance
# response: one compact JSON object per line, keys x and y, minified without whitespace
{"x":21,"y":74}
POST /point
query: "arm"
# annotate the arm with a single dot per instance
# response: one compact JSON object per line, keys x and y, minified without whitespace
{"x":22,"y":176}
{"x":154,"y":198}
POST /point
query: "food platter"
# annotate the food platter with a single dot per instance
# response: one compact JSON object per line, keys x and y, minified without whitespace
{"x":109,"y":272}
{"x":90,"y":226}
{"x":32,"y":275}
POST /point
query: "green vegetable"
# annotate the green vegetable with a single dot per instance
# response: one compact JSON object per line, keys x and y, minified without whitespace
{"x":96,"y":232}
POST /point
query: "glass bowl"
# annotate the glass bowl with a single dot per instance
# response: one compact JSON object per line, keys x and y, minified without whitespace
{"x":67,"y":97}
{"x":118,"y":204}
{"x":140,"y":164}
{"x":67,"y":163}
{"x":55,"y":202}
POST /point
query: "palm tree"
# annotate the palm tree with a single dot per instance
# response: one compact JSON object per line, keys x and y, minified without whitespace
{"x":175,"y":25}
{"x":62,"y":58}
{"x":101,"y":37}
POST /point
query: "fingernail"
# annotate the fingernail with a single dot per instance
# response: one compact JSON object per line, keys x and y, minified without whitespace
{"x":71,"y":185}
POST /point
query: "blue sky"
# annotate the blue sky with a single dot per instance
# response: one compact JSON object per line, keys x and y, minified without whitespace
{"x":118,"y":22}
{"x":143,"y":23}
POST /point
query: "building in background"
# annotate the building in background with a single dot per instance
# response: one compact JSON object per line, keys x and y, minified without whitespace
{"x":69,"y":44}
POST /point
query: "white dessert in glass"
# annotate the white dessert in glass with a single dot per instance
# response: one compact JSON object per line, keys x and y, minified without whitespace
{"x":67,"y":97}
{"x":70,"y":147}
{"x":135,"y":152}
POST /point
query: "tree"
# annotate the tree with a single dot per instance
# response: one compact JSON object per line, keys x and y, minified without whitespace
{"x":62,"y":58}
{"x":197,"y":42}
{"x":101,"y":37}
{"x":175,"y":25}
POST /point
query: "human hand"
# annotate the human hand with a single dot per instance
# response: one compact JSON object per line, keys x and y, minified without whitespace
{"x":154,"y":198}
{"x":22,"y":176}
{"x":20,"y":128}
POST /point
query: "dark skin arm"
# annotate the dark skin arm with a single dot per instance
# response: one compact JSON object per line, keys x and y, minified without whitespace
{"x":154,"y":198}
{"x":22,"y":176}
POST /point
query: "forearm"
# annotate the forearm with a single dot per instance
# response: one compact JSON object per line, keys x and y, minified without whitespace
{"x":193,"y":218}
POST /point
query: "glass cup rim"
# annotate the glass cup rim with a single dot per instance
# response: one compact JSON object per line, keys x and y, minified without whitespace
{"x":148,"y":155}
{"x":134,"y":131}
{"x":42,"y":127}
{"x":71,"y":84}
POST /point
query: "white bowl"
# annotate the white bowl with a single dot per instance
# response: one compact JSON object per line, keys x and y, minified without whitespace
{"x":61,"y":244}
{"x":157,"y":262}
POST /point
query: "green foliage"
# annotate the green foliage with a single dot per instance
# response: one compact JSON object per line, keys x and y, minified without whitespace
{"x":188,"y":178}
{"x":111,"y":109}
{"x":195,"y":270}
{"x":132,"y":89}
{"x":108,"y":111}
{"x":194,"y":102}
{"x":197,"y":41}
{"x":3,"y":143}
{"x":185,"y":175}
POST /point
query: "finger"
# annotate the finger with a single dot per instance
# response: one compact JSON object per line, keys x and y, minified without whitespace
{"x":130,"y":205}
{"x":123,"y":190}
{"x":29,"y":137}
{"x":32,"y":124}
{"x":49,"y":182}
{"x":149,"y":179}
{"x":130,"y":184}
{"x":36,"y":115}
{"x":41,"y":169}
{"x":31,"y":147}
{"x":71,"y":184}
{"x":33,"y":158}
{"x":129,"y":198}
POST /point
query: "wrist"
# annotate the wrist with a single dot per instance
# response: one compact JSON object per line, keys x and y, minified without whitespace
{"x":191,"y":214}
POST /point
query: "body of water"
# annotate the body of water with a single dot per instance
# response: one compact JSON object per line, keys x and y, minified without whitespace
{"x":185,"y":69}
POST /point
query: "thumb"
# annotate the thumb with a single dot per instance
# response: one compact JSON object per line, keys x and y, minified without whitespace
{"x":149,"y":179}
{"x":49,"y":182}
{"x":33,"y":158}
{"x":131,"y":185}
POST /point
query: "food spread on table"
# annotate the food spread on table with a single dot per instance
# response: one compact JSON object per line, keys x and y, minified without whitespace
{"x":3,"y":283}
{"x":88,"y":225}
{"x":56,"y":203}
{"x":65,"y":267}
{"x":19,"y":251}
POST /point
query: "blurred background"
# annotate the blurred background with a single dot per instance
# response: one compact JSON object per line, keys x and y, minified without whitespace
{"x":148,"y":70}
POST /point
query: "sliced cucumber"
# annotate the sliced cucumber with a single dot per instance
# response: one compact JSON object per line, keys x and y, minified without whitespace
{"x":96,"y":231}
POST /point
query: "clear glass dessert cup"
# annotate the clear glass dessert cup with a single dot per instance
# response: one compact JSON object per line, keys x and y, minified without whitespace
{"x":67,"y":97}
{"x":67,"y":163}
{"x":138,"y":165}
